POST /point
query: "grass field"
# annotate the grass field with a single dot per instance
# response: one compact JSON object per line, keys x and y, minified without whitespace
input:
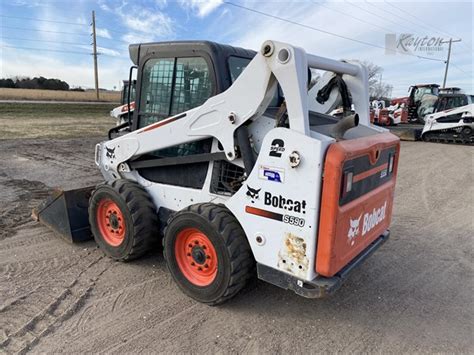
{"x":54,"y":120}
{"x":56,"y":95}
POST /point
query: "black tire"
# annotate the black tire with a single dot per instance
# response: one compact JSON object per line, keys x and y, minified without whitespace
{"x":466,"y":132}
{"x":235,"y":262}
{"x":139,"y":219}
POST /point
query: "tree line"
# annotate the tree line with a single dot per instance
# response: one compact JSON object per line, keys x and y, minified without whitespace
{"x":41,"y":83}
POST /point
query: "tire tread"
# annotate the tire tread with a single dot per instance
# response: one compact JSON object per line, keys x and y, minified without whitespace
{"x":241,"y":257}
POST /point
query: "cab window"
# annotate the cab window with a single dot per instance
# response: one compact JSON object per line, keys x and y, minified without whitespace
{"x":192,"y":84}
{"x":157,"y":83}
{"x":236,"y":67}
{"x":172,"y":85}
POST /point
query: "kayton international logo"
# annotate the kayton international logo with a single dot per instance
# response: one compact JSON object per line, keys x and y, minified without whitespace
{"x":409,"y":43}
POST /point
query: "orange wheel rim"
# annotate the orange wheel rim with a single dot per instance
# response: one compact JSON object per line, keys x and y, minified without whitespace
{"x":196,"y":257}
{"x":111,"y":222}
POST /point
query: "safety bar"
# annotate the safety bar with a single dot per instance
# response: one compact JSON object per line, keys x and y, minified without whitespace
{"x":335,"y":66}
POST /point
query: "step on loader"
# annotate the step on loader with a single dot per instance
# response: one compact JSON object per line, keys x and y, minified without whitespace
{"x":229,"y":162}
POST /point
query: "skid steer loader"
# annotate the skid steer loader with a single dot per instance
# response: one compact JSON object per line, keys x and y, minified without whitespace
{"x":230,"y":164}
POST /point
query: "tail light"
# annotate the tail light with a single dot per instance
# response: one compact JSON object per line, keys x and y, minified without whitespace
{"x":347,"y":182}
{"x":391,"y":161}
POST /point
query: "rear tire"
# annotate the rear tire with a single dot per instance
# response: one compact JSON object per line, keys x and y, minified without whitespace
{"x":466,"y":132}
{"x":123,"y":219}
{"x":207,"y":253}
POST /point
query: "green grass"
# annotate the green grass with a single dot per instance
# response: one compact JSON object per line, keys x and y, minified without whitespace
{"x":54,"y":120}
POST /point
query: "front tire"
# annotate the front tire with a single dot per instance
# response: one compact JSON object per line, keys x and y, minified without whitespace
{"x":123,"y":219}
{"x":207,"y":253}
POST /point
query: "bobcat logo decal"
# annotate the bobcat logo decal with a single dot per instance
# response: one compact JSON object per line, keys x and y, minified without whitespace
{"x":252,"y":193}
{"x":353,"y":229}
{"x":110,"y":153}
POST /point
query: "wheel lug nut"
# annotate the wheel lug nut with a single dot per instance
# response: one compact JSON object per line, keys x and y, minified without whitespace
{"x":200,"y":268}
{"x":208,"y":257}
{"x":188,"y":254}
{"x":196,"y":242}
{"x":204,"y":247}
{"x":192,"y":263}
{"x":190,"y":245}
{"x":206,"y":266}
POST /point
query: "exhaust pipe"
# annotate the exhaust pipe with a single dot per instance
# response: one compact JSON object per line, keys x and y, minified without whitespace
{"x":344,"y":125}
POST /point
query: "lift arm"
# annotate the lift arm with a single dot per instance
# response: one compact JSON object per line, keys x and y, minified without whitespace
{"x":221,"y":115}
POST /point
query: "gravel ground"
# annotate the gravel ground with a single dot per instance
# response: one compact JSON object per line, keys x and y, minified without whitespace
{"x":412,"y":295}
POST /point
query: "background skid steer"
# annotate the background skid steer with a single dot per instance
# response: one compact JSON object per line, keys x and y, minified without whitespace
{"x":231,"y":163}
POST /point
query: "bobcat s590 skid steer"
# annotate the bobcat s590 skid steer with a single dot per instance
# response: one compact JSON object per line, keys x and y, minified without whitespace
{"x":230,"y":161}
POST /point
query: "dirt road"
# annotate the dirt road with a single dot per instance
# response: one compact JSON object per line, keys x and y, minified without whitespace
{"x":413,"y":295}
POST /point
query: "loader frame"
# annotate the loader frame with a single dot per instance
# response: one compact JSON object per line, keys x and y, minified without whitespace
{"x":311,"y":196}
{"x":223,"y":117}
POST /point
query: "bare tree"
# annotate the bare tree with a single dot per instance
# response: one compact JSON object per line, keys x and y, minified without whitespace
{"x":377,"y":88}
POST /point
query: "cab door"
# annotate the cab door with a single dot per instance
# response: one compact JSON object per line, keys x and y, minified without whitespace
{"x":169,"y":86}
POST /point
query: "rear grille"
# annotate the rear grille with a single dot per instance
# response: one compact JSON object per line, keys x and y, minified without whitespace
{"x":365,"y":175}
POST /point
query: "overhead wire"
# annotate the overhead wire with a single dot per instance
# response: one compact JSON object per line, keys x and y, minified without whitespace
{"x":44,"y":49}
{"x":46,"y":31}
{"x":352,"y":16}
{"x":43,"y":40}
{"x":43,"y":20}
{"x":324,"y":31}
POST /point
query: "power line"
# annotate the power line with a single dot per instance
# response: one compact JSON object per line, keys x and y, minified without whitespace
{"x":425,"y":24}
{"x":41,"y":40}
{"x":355,"y":18}
{"x":326,"y":32}
{"x":401,"y":18}
{"x":62,"y":22}
{"x":35,"y":30}
{"x":58,"y":32}
{"x":371,"y":13}
{"x":51,"y":41}
{"x":391,"y":13}
{"x":42,"y":20}
{"x":113,"y":39}
{"x":55,"y":50}
{"x":44,"y":49}
{"x":125,"y":33}
{"x":62,"y":5}
{"x":462,"y":70}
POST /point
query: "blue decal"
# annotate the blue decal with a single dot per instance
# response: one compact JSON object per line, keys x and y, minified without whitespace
{"x":272,"y":175}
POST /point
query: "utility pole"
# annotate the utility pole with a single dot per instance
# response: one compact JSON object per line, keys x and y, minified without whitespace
{"x":447,"y":60}
{"x":94,"y":48}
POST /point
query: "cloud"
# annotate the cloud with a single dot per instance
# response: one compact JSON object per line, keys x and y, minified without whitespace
{"x":201,"y":7}
{"x":137,"y":38}
{"x":142,"y":23}
{"x":109,"y":52}
{"x":147,"y":21}
{"x":102,"y":32}
{"x":103,"y":5}
{"x":161,"y":3}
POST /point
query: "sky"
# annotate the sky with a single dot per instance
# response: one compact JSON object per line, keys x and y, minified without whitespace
{"x":51,"y":38}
